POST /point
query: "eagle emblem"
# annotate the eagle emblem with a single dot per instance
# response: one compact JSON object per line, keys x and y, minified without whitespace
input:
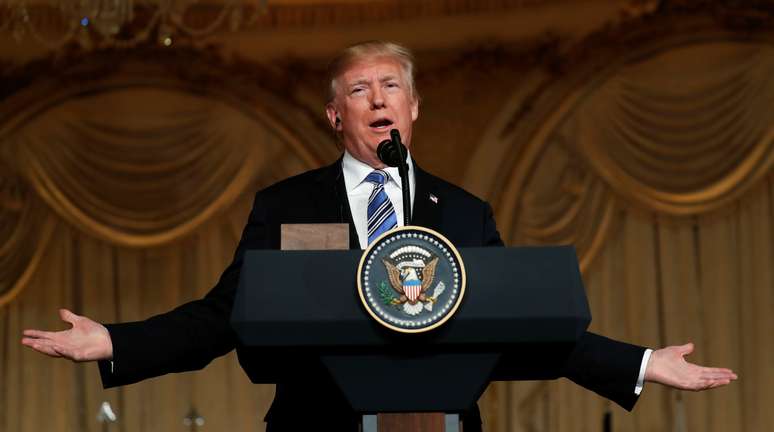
{"x":411,"y":271}
{"x":411,"y":279}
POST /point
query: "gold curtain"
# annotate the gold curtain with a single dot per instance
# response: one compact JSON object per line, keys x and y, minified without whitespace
{"x":25,"y":227}
{"x":135,"y":175}
{"x":120,"y":209}
{"x":662,"y":174}
{"x":141,"y":177}
{"x":687,"y":132}
{"x":659,"y":281}
{"x":659,"y":172}
{"x":684,"y":133}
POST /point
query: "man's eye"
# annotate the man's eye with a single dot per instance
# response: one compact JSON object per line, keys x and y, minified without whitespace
{"x":357,"y":90}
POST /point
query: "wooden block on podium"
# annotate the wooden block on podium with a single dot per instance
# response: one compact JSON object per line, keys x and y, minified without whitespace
{"x":314,"y":236}
{"x":404,"y":422}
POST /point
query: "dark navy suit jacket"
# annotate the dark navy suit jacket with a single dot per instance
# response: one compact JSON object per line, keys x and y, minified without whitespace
{"x":190,"y":336}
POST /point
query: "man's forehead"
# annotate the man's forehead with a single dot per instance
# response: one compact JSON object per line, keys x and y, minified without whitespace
{"x":369,"y":69}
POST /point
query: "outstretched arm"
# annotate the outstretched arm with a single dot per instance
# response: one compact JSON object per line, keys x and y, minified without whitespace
{"x":668,"y":366}
{"x":86,"y":340}
{"x":184,"y":339}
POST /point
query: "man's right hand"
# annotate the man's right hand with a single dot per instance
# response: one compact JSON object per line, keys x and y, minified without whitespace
{"x":85,"y":341}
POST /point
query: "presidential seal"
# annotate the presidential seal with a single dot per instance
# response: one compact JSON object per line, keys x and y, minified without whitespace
{"x":411,"y":279}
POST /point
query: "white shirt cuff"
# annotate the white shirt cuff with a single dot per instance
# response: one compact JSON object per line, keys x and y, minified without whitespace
{"x":644,"y":365}
{"x":111,"y":368}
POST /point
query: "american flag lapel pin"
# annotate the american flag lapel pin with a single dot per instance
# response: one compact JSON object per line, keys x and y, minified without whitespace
{"x":434,"y":199}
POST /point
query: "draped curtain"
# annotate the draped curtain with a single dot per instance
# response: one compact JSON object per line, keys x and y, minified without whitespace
{"x":661,"y":173}
{"x":124,"y":202}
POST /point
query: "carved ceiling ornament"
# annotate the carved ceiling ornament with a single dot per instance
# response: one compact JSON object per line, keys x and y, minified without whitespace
{"x":122,"y":23}
{"x":94,"y":24}
{"x":595,"y":111}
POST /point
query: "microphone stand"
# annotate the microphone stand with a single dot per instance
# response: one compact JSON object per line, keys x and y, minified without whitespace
{"x":403,"y":172}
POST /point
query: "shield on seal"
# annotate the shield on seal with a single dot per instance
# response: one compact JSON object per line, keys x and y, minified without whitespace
{"x":412,"y":286}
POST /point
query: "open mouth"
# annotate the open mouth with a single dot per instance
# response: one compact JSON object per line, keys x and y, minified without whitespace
{"x":381,"y":124}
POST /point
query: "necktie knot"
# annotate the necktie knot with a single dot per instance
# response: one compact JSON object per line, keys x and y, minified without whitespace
{"x":377,"y":177}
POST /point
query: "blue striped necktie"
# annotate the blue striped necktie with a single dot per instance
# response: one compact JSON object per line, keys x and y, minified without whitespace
{"x":381,"y":213}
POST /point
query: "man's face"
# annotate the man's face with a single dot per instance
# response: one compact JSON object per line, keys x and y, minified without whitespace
{"x":372,"y":97}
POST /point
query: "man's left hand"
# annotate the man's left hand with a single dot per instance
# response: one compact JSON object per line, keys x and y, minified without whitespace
{"x":668,"y":366}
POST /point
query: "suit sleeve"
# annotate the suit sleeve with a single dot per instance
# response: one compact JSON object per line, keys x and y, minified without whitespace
{"x":489,"y":234}
{"x":190,"y":336}
{"x":605,"y":366}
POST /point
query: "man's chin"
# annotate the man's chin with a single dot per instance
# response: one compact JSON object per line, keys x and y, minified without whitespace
{"x":381,"y":135}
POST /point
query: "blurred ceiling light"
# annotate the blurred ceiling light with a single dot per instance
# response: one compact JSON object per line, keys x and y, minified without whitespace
{"x":121,"y":23}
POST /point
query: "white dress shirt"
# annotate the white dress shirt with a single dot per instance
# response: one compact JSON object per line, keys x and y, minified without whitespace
{"x":358,"y":191}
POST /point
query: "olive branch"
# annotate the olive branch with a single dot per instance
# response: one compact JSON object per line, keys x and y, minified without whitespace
{"x":386,"y":294}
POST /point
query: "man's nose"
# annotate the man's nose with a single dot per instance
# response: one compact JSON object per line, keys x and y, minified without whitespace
{"x":377,"y":98}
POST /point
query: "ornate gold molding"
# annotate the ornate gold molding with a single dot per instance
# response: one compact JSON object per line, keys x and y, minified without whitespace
{"x":313,"y":14}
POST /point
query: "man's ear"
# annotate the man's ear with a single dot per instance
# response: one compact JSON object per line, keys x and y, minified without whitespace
{"x":415,"y":109}
{"x":333,"y":116}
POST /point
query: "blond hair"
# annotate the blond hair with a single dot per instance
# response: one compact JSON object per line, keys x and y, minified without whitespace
{"x":370,"y":50}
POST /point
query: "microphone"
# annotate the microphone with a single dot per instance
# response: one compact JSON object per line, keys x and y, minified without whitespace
{"x":393,"y":153}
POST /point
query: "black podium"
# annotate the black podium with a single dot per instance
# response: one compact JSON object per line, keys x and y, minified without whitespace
{"x":523,"y":311}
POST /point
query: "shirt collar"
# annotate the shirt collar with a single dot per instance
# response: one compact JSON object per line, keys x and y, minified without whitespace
{"x":355,"y":171}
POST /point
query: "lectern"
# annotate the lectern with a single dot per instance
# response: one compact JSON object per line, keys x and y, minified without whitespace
{"x":521,"y":315}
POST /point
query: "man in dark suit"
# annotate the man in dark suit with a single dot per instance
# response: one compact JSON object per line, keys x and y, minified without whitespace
{"x":372,"y":91}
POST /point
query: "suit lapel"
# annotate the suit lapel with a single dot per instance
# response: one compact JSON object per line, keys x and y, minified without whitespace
{"x":331,"y":202}
{"x":427,"y":202}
